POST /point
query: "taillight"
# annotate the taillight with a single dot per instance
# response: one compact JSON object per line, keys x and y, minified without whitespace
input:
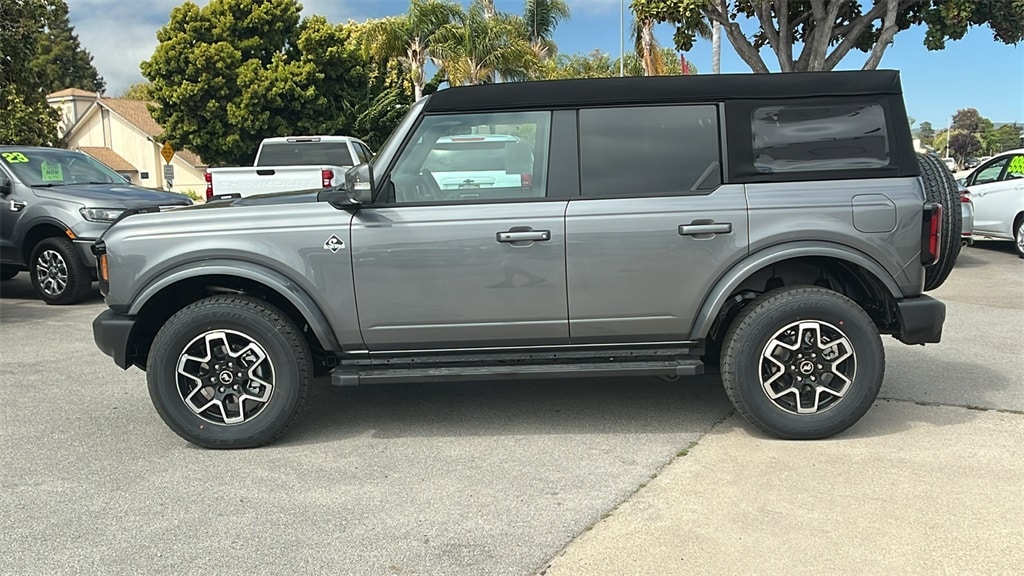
{"x":326,"y":176}
{"x":209,"y":185}
{"x":965,"y":198}
{"x":931,"y":234}
{"x":527,"y":180}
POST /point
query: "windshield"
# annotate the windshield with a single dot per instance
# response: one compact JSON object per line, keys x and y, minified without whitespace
{"x":305,"y":154}
{"x":57,"y":167}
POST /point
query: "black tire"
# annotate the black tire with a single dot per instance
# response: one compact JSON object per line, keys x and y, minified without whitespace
{"x":1018,"y":234}
{"x":270,"y":382}
{"x":7,"y":272}
{"x":767,"y":327}
{"x":940,"y":187}
{"x":58,"y":274}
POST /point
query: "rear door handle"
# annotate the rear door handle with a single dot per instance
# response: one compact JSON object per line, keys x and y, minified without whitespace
{"x":524,"y":236}
{"x":702,"y":228}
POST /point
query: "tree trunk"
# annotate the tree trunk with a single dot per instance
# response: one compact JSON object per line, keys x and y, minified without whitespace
{"x":716,"y":47}
{"x":647,"y":41}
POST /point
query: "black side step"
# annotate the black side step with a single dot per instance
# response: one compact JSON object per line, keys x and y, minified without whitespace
{"x":354,"y":375}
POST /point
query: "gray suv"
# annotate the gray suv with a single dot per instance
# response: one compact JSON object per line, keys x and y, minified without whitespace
{"x":769,"y":227}
{"x":54,"y":204}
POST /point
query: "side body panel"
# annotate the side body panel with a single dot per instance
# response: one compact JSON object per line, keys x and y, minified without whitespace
{"x":831,"y":212}
{"x":632,"y":273}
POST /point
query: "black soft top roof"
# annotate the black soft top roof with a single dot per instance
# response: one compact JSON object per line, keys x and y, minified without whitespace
{"x":663,"y":89}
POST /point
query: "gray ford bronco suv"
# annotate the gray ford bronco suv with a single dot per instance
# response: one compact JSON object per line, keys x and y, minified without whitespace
{"x":54,"y":204}
{"x":769,"y":227}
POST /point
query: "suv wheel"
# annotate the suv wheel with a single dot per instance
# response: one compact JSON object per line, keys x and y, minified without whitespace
{"x":802,"y":363}
{"x":7,"y":272}
{"x":940,"y":187}
{"x":1018,"y":235}
{"x":58,"y":274}
{"x":229,"y":372}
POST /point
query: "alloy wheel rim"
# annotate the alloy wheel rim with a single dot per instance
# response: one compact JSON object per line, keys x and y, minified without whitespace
{"x":1020,"y":237}
{"x":807,"y":367}
{"x":225,"y":377}
{"x":52,"y":273}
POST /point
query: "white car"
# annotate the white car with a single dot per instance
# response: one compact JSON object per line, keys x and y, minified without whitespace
{"x":997,"y":191}
{"x":472,"y":162}
{"x":950,"y":163}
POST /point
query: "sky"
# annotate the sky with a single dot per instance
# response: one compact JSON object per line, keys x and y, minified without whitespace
{"x":975,"y":72}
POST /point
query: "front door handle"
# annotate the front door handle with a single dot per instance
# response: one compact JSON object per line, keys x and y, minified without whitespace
{"x":524,"y":236}
{"x":698,"y":228}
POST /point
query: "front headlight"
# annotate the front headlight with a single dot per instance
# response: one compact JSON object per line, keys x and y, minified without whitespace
{"x":101,"y":214}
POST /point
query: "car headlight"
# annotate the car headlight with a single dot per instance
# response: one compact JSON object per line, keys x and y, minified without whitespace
{"x":101,"y":214}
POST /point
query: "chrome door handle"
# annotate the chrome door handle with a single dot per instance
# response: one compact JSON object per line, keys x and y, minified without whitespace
{"x":524,"y":236}
{"x":702,"y":228}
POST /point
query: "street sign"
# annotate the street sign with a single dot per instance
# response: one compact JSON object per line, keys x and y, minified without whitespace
{"x":169,"y":173}
{"x":167,"y":152}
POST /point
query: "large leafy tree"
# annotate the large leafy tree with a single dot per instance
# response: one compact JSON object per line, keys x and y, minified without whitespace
{"x":475,"y":47}
{"x":408,"y":39}
{"x":229,"y":74}
{"x":828,"y":30}
{"x":541,"y":18}
{"x":60,"y":59}
{"x":647,"y":13}
{"x":26,"y":118}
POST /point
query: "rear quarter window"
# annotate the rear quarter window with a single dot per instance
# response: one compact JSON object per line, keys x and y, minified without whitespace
{"x":819,"y":138}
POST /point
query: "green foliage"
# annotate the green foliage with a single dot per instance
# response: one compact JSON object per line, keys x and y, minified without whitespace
{"x":926,"y":133}
{"x":963,"y":144}
{"x":828,"y":31}
{"x":541,"y":18}
{"x":969,"y":120}
{"x":229,"y":74}
{"x":26,"y":119}
{"x":598,"y":64}
{"x":60,"y":60}
{"x":1006,"y":137}
{"x":475,"y":47}
{"x":137,"y":91}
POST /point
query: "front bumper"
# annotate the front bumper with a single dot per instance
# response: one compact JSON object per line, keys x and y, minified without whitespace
{"x":112,"y":333}
{"x":920,"y":320}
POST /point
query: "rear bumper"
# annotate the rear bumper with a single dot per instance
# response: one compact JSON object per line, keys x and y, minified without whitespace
{"x":112,"y":333}
{"x":920,"y":320}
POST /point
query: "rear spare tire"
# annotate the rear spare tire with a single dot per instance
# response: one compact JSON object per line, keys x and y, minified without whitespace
{"x":940,"y":188}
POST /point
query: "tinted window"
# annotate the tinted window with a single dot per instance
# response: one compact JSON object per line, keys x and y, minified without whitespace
{"x":56,"y":167}
{"x":816,"y":138}
{"x":473,"y":157}
{"x":649,"y":151}
{"x":305,"y":153}
{"x":990,"y":172}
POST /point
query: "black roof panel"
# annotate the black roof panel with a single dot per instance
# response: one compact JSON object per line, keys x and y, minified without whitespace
{"x":662,"y":89}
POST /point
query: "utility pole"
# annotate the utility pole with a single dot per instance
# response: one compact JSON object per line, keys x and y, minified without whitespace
{"x":622,"y":38}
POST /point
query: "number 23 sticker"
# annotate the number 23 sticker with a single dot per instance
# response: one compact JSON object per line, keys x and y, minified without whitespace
{"x":14,"y":157}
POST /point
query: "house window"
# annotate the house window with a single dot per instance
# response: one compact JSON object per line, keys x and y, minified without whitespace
{"x":144,"y":176}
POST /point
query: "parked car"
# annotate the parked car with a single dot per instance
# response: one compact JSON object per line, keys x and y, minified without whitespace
{"x":55,"y":204}
{"x":290,"y":163}
{"x":967,"y":215}
{"x":771,"y":227}
{"x":971,"y":163}
{"x":997,"y":192}
{"x":950,"y":163}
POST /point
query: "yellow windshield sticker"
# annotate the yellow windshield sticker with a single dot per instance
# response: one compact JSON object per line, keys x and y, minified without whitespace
{"x":51,"y":171}
{"x":1016,"y":165}
{"x":14,"y":157}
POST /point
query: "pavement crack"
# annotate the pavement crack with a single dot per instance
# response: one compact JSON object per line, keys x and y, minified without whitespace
{"x":949,"y":405}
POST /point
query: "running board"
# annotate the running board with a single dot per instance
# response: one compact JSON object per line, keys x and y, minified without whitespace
{"x":361,"y":375}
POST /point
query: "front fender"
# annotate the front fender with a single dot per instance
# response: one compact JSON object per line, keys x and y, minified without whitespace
{"x":272,"y":279}
{"x":753,"y":263}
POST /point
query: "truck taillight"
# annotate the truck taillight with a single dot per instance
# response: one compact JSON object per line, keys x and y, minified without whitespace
{"x":209,"y":185}
{"x":931,"y":234}
{"x":327,"y":176}
{"x":526,"y":179}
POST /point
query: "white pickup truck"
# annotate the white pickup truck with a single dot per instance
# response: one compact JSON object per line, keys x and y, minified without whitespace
{"x":290,"y":163}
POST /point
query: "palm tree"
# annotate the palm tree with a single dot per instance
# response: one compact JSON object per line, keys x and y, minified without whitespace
{"x":647,"y":47}
{"x":716,"y":47}
{"x":475,"y":47}
{"x":409,"y":38}
{"x":542,"y":17}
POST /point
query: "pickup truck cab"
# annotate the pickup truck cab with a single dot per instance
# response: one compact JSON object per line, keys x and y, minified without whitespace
{"x":54,"y":204}
{"x":290,"y":163}
{"x":766,"y":227}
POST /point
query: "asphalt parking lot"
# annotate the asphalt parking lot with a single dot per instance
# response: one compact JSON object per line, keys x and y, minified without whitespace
{"x":490,"y":478}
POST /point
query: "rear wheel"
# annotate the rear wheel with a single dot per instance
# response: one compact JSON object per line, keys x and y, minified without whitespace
{"x":229,"y":372}
{"x":58,"y":273}
{"x":802,"y":363}
{"x":1018,"y":235}
{"x":940,"y":187}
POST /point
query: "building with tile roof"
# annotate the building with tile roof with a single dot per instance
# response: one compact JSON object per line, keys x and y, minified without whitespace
{"x":122,"y":134}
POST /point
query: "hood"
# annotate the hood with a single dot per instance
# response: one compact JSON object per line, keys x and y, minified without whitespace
{"x":294,"y":197}
{"x":113,"y":195}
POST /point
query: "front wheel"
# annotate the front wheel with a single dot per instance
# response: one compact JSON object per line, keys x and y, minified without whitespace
{"x":1018,"y":235}
{"x":229,"y":372}
{"x":58,"y":274}
{"x":802,"y":363}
